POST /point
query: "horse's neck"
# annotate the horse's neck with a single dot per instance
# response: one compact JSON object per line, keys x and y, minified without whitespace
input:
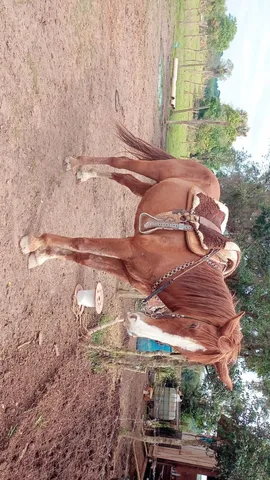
{"x":177,"y":303}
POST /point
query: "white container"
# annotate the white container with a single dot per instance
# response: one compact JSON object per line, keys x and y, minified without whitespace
{"x":91,"y":298}
{"x":175,"y":68}
{"x":86,"y":298}
{"x":173,"y":94}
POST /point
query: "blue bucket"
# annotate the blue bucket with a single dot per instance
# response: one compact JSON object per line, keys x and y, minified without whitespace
{"x":147,"y":345}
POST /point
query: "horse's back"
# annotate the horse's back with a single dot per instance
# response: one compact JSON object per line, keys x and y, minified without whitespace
{"x":170,"y":194}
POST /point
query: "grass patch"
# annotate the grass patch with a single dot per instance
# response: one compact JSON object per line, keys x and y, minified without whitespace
{"x":95,"y":362}
{"x":98,"y":337}
{"x":12,"y":431}
{"x":190,"y":82}
{"x":40,"y":421}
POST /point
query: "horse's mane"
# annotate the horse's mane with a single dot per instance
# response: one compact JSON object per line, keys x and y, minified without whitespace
{"x":203,"y":293}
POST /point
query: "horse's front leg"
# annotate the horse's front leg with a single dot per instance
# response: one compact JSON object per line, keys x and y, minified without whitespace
{"x":114,"y":266}
{"x":108,"y":247}
{"x":111,"y":265}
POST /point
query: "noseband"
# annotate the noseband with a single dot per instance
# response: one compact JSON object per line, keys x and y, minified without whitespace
{"x":161,"y":315}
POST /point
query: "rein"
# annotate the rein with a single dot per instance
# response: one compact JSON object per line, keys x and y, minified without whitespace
{"x":159,"y":316}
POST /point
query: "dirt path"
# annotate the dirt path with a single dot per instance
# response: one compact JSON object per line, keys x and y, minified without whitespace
{"x":68,"y":69}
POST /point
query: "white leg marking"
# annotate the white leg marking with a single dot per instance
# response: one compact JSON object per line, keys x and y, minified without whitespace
{"x":69,"y":163}
{"x":139,"y":328}
{"x":83,"y":176}
{"x":36,"y":259}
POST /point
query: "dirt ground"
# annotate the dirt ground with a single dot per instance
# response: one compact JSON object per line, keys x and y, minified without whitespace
{"x":68,"y":69}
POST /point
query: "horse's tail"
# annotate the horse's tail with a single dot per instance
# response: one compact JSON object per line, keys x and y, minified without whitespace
{"x":139,"y":148}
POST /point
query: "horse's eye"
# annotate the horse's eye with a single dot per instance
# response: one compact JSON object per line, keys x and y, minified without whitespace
{"x":193,"y":325}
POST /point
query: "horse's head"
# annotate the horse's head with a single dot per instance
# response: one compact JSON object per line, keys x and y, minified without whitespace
{"x":200,"y":341}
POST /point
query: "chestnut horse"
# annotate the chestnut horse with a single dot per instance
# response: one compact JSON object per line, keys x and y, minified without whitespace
{"x":205,"y":326}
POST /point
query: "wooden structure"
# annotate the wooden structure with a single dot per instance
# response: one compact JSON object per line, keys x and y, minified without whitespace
{"x":187,"y":460}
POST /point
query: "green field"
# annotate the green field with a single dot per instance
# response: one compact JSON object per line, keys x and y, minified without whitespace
{"x":190,"y":84}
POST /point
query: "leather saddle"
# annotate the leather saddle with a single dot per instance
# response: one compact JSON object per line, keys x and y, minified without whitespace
{"x":204,"y":222}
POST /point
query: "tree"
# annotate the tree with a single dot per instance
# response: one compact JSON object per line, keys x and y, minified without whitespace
{"x":211,"y":89}
{"x":216,"y":8}
{"x":244,"y":452}
{"x":216,"y":137}
{"x":223,"y":70}
{"x":222,"y":30}
{"x":237,"y":422}
{"x":204,"y":401}
{"x":245,"y":190}
{"x":218,"y":157}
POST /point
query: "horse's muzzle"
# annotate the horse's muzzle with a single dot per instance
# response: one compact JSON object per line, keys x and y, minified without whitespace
{"x":132,"y":320}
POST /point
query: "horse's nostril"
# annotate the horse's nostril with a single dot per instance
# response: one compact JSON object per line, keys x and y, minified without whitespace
{"x":133,"y":316}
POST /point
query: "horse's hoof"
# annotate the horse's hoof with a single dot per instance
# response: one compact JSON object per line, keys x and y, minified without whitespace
{"x":84,"y":176}
{"x":25,"y":243}
{"x":32,"y":261}
{"x":69,"y":163}
{"x":36,"y":259}
{"x":29,"y":244}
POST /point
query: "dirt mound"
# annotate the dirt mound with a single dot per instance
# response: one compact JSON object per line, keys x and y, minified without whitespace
{"x":69,"y":431}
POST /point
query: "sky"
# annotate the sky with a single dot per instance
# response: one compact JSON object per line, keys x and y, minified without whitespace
{"x":249,"y":86}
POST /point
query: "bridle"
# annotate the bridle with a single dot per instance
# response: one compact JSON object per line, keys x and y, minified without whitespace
{"x":161,"y":316}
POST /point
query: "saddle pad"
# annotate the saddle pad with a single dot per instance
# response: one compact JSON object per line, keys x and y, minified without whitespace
{"x":207,"y":209}
{"x":201,"y":240}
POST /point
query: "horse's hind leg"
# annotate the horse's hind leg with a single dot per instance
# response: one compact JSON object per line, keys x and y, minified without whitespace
{"x":158,"y":170}
{"x":135,"y":186}
{"x":76,"y":162}
{"x":143,"y":167}
{"x":185,"y":169}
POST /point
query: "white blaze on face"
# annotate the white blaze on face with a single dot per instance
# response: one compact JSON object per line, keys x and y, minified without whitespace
{"x":139,"y":328}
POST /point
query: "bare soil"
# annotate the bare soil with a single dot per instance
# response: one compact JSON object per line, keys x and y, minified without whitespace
{"x":68,"y":69}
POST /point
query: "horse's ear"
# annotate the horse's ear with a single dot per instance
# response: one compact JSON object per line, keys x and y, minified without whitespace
{"x":223,"y":373}
{"x":231,"y":325}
